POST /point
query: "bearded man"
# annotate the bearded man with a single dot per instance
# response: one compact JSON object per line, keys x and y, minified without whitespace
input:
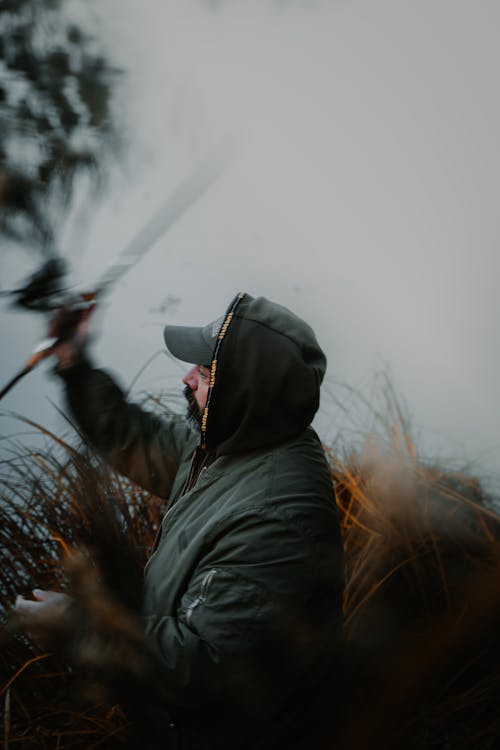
{"x":243,"y":590}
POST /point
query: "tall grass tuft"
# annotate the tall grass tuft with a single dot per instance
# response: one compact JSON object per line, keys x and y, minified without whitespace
{"x":67,"y":522}
{"x":422,"y":609}
{"x":422,"y":601}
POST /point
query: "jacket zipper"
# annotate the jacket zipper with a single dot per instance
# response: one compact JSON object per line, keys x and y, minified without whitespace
{"x":195,"y":471}
{"x":205,"y":585}
{"x":185,"y":489}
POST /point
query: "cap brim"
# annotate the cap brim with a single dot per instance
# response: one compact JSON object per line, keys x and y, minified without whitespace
{"x":187,"y":344}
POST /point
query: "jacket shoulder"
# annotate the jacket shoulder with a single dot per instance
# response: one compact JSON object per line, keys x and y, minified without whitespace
{"x":288,"y":487}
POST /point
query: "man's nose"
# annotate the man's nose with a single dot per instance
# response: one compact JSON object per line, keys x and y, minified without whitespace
{"x":190,"y":379}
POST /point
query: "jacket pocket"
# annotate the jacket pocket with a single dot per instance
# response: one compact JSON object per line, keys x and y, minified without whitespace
{"x":205,"y":586}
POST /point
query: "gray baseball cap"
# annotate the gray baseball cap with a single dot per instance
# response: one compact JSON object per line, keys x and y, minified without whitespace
{"x":193,"y":344}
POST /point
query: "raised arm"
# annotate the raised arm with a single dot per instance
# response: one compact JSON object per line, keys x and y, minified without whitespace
{"x":135,"y":442}
{"x":146,"y":448}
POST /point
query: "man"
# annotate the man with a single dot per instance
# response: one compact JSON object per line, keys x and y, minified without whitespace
{"x":243,"y":589}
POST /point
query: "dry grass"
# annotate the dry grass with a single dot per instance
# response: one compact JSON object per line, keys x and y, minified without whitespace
{"x":421,"y":601}
{"x":68,"y":522}
{"x":422,"y":606}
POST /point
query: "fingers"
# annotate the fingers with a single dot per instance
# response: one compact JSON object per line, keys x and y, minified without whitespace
{"x":87,"y":312}
{"x":64,"y":322}
{"x":43,"y":600}
{"x":44,"y":617}
{"x":71,"y":322}
{"x":24,"y":606}
{"x":30,"y":617}
{"x":27,"y":607}
{"x":70,"y":326}
{"x":43,"y":596}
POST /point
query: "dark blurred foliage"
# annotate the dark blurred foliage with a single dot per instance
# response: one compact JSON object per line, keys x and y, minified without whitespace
{"x":55,"y":116}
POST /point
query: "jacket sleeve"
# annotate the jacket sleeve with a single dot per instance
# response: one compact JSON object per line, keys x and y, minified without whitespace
{"x":146,"y":448}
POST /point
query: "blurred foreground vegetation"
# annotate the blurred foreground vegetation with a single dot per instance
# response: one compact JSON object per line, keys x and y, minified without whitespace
{"x":421,"y":603}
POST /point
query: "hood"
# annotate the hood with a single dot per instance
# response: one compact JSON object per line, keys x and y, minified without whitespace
{"x":265,"y":378}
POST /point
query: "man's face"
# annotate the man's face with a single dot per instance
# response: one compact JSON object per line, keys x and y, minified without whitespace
{"x":197,"y":382}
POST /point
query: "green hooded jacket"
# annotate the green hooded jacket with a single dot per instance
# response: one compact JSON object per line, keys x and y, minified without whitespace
{"x":243,"y":590}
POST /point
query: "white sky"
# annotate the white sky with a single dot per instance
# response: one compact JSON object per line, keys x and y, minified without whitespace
{"x":365,"y":196}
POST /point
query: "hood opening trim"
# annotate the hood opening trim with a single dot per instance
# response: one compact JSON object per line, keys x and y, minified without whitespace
{"x":213,"y":368}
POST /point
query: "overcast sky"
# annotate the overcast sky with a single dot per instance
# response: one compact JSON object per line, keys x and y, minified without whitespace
{"x":365,"y":195}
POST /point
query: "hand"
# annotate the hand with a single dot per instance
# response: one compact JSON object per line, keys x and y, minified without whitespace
{"x":44,"y":615}
{"x":71,"y":327}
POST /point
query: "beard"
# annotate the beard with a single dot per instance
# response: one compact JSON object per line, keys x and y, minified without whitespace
{"x":193,"y":414}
